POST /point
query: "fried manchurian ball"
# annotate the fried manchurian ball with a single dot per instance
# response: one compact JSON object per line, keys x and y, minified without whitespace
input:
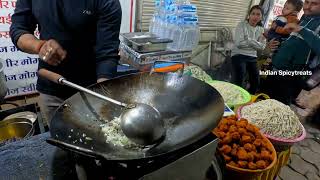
{"x":226,"y":158}
{"x":251,"y":156}
{"x":258,"y":135}
{"x":268,"y":163}
{"x":261,"y":164}
{"x":256,"y":155}
{"x":263,"y":149}
{"x":227,"y":139}
{"x":232,"y":163}
{"x":243,"y":164}
{"x":233,"y":128}
{"x":224,"y":121}
{"x":232,"y":122}
{"x":225,"y":149}
{"x":266,"y":145}
{"x":220,"y":134}
{"x":252,"y":166}
{"x":235,"y":146}
{"x":242,"y":120}
{"x":265,"y":155}
{"x":242,"y":154}
{"x":235,"y":136}
{"x":234,"y":152}
{"x":251,"y":136}
{"x":257,"y":142}
{"x":242,"y":131}
{"x":241,"y":124}
{"x":245,"y":139}
{"x":248,"y":147}
{"x":251,"y":128}
{"x":224,"y":128}
{"x":254,"y":148}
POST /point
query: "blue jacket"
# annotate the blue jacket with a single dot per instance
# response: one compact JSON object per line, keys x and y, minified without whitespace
{"x":87,"y":29}
{"x":293,"y":53}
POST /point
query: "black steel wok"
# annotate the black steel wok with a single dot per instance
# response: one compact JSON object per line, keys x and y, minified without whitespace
{"x":191,"y":109}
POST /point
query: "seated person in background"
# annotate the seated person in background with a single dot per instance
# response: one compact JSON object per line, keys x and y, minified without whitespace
{"x":289,"y":15}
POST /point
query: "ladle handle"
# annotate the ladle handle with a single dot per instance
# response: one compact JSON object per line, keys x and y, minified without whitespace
{"x":57,"y":78}
{"x":54,"y":77}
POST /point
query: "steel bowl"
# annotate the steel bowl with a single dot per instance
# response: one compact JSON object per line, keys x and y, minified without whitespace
{"x":17,"y":128}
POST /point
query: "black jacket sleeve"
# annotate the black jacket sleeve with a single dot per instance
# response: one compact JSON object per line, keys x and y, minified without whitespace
{"x":107,"y":40}
{"x":23,"y":22}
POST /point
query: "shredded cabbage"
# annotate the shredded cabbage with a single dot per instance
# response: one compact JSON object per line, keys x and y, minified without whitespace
{"x":230,"y":93}
{"x":114,"y":135}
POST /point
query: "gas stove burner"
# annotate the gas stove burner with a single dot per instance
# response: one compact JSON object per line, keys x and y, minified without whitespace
{"x":192,"y":162}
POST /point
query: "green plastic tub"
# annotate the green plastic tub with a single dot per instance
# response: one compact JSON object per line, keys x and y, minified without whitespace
{"x":245,"y":95}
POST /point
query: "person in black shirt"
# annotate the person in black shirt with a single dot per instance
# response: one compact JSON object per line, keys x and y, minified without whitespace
{"x":79,"y":39}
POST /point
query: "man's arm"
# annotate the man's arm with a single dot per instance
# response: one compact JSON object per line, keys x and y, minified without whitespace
{"x":23,"y":27}
{"x":284,"y":31}
{"x":22,"y":35}
{"x":107,"y":40}
{"x":312,"y":39}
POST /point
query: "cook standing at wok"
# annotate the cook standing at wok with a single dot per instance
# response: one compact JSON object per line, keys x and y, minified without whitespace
{"x":79,"y":39}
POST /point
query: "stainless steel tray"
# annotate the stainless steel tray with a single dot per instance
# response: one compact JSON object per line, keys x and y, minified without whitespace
{"x":145,"y":42}
{"x":127,"y":37}
{"x":150,"y":44}
{"x":145,"y":60}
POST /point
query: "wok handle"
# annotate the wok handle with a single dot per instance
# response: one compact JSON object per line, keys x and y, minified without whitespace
{"x":54,"y":77}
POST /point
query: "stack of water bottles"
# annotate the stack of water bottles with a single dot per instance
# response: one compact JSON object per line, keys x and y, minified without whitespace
{"x":176,"y":20}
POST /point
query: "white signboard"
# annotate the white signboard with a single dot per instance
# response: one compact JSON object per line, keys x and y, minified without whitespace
{"x":20,"y":69}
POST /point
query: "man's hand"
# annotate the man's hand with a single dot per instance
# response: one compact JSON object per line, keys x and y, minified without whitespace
{"x":273,"y":45}
{"x":293,"y":27}
{"x":52,"y":53}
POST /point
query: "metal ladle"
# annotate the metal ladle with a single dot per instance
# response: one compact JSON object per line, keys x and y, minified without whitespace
{"x":140,"y":122}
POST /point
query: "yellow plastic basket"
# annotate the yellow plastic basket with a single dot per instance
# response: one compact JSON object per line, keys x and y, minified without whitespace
{"x":259,"y":97}
{"x":270,"y":174}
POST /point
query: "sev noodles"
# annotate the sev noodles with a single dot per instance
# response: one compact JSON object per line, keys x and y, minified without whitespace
{"x":274,"y":118}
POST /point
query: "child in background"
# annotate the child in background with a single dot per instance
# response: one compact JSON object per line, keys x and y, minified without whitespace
{"x":290,"y":13}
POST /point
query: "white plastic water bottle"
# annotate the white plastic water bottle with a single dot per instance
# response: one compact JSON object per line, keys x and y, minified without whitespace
{"x":171,"y":26}
{"x":164,"y":27}
{"x":152,"y":25}
{"x":191,"y":35}
{"x":196,"y":36}
{"x":157,"y":26}
{"x":177,"y":36}
{"x":153,"y":22}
